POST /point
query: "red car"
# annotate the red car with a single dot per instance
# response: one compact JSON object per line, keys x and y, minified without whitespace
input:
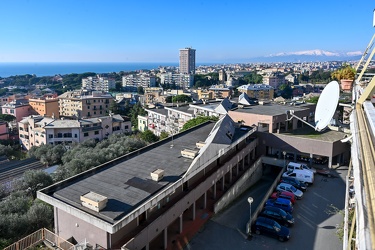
{"x":284,"y":194}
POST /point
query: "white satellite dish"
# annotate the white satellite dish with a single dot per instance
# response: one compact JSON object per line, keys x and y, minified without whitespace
{"x":327,"y":104}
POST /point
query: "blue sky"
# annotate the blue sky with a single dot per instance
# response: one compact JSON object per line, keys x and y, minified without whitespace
{"x":154,"y":31}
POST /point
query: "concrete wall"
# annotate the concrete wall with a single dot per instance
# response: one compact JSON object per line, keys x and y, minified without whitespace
{"x":301,"y":145}
{"x":249,"y":178}
{"x":71,"y":225}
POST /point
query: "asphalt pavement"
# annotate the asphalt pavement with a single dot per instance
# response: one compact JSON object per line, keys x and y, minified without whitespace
{"x":317,"y":218}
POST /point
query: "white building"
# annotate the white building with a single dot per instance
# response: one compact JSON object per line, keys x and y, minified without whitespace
{"x":38,"y":130}
{"x":142,"y":80}
{"x":98,"y":83}
{"x":181,"y":80}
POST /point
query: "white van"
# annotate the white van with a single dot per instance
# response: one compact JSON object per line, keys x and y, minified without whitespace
{"x":294,"y":166}
{"x":301,"y":175}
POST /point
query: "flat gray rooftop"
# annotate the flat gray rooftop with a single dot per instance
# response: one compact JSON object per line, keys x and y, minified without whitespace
{"x":128,"y":183}
{"x":272,"y":109}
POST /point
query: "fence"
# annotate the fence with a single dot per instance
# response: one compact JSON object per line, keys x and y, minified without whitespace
{"x":38,"y":237}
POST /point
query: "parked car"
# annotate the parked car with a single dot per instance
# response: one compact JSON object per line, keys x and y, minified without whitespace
{"x":305,"y":176}
{"x":282,"y":203}
{"x":296,"y":183}
{"x":270,"y":227}
{"x":290,"y":188}
{"x":279,"y":215}
{"x":295,"y":165}
{"x":284,"y":194}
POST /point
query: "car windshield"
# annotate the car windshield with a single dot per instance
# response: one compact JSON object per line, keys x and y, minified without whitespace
{"x":282,"y":213}
{"x":293,"y":189}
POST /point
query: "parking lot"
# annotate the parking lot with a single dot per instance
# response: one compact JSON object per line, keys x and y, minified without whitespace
{"x":317,"y":218}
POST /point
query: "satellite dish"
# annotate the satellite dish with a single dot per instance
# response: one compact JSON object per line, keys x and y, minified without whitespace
{"x":327,"y":104}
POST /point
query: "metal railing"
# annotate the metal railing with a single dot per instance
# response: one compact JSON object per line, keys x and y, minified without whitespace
{"x":38,"y":237}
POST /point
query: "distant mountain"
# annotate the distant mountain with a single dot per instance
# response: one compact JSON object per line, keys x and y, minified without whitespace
{"x":316,"y":55}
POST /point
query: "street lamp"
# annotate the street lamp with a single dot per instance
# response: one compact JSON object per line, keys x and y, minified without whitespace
{"x":284,"y":153}
{"x":250,"y":200}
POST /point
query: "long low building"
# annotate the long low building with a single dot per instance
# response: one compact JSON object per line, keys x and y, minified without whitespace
{"x":129,"y":202}
{"x":36,"y":130}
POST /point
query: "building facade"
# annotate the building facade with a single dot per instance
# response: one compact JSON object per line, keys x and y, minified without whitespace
{"x":18,"y":108}
{"x":83,"y":104}
{"x":258,"y":91}
{"x":98,"y":83}
{"x":181,"y":80}
{"x":139,"y":81}
{"x":187,"y":61}
{"x":45,"y":106}
{"x":38,"y":130}
{"x":139,"y":204}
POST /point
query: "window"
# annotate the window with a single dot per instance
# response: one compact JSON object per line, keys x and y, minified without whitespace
{"x":126,"y":127}
{"x":96,"y":132}
{"x":86,"y":134}
{"x":50,"y":136}
{"x":75,"y":135}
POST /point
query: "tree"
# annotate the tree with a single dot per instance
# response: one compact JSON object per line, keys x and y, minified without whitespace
{"x":286,"y":91}
{"x":136,"y":110}
{"x":253,"y":78}
{"x":198,"y":120}
{"x":34,"y":180}
{"x":140,"y":90}
{"x":149,"y":137}
{"x":163,"y":135}
{"x":7,"y":117}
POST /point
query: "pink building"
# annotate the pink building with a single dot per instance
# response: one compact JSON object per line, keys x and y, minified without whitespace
{"x":4,"y":131}
{"x":18,"y":108}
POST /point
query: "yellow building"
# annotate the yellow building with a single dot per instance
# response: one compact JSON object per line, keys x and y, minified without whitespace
{"x":46,"y":106}
{"x":84,"y":104}
{"x":258,"y":91}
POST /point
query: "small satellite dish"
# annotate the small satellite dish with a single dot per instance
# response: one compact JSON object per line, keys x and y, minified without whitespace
{"x":327,"y":104}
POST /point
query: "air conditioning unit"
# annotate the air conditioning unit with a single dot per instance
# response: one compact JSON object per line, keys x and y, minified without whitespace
{"x":200,"y":144}
{"x":188,"y":153}
{"x":157,"y":174}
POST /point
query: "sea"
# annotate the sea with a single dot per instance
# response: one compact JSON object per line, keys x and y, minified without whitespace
{"x":51,"y":69}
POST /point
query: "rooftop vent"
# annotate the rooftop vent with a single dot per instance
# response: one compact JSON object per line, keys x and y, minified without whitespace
{"x":157,"y":174}
{"x":200,"y":144}
{"x":188,"y":153}
{"x":94,"y":201}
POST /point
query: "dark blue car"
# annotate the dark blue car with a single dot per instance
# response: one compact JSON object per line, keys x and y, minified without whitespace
{"x":282,"y":203}
{"x":270,"y":227}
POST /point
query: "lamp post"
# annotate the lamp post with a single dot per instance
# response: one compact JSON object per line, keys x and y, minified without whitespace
{"x":250,"y":200}
{"x":284,"y":153}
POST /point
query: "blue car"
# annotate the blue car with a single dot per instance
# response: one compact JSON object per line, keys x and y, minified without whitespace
{"x":282,"y":203}
{"x":268,"y":226}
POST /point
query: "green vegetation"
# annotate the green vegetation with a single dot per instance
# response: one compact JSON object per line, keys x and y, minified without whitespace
{"x":206,"y":80}
{"x":148,"y":137}
{"x":286,"y":91}
{"x":20,"y":213}
{"x":178,"y":98}
{"x":163,"y":135}
{"x":198,"y":120}
{"x":7,"y":117}
{"x":47,"y":154}
{"x":136,"y":110}
{"x":83,"y":156}
{"x":252,"y":78}
{"x":347,"y":73}
{"x":313,"y":99}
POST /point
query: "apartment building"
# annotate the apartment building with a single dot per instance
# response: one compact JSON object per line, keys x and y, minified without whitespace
{"x":187,"y":61}
{"x":273,"y":79}
{"x":4,"y":130}
{"x":181,"y":80}
{"x":138,"y":200}
{"x":141,"y":80}
{"x":84,"y":104}
{"x":221,"y":91}
{"x":19,"y":108}
{"x":45,"y":106}
{"x":258,"y":91}
{"x":215,"y":108}
{"x":204,"y":94}
{"x":38,"y":130}
{"x":98,"y":83}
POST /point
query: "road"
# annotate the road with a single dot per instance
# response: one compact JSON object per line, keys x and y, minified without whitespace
{"x":316,"y":219}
